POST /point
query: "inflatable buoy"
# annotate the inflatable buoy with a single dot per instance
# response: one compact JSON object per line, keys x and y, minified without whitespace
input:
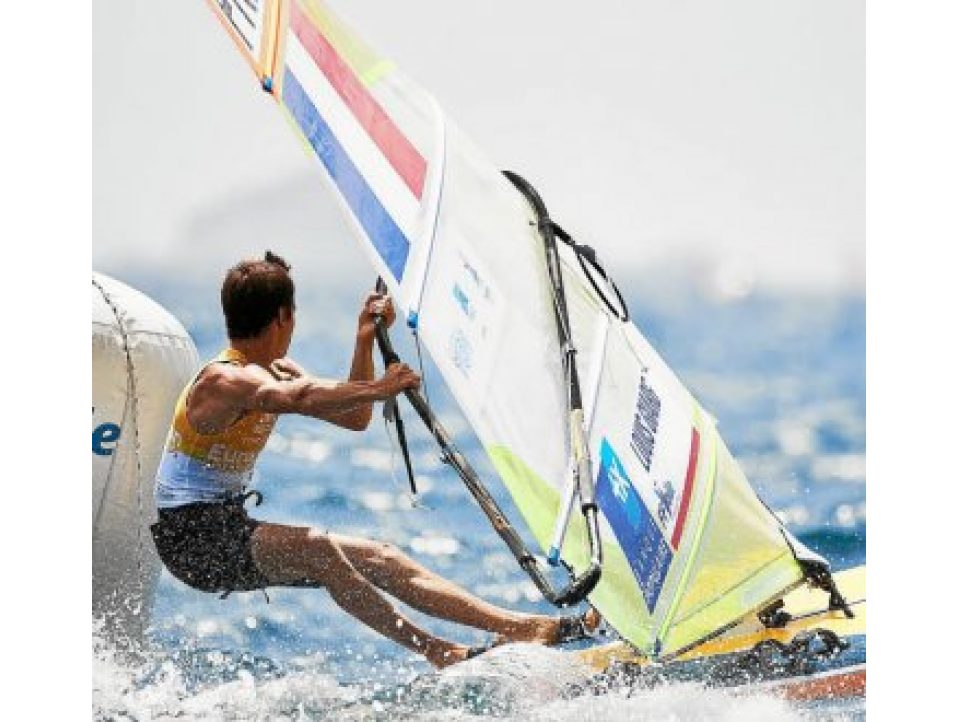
{"x":142,"y":358}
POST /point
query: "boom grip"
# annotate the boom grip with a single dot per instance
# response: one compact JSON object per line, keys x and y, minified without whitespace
{"x":386,"y":351}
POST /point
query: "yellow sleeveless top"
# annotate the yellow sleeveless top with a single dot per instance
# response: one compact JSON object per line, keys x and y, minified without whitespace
{"x":199,"y":467}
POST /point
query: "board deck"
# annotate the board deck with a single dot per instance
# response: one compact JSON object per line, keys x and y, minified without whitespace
{"x":831,"y":684}
{"x":806,"y":605}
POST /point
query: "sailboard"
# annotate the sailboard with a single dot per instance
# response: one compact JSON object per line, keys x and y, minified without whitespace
{"x":575,"y":409}
{"x":813,"y":652}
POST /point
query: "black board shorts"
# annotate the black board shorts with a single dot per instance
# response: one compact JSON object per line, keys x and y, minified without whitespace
{"x":208,"y":546}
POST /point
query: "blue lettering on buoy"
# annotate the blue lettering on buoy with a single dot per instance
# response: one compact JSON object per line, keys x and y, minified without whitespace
{"x":107,"y":433}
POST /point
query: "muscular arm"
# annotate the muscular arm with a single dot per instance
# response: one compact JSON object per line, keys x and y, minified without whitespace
{"x":254,"y":388}
{"x":224,"y":391}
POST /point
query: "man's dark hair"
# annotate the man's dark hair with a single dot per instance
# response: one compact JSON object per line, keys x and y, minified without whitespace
{"x":253,"y":294}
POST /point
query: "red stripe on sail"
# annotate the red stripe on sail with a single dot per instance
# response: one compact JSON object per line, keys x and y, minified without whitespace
{"x":398,"y":151}
{"x":687,"y":488}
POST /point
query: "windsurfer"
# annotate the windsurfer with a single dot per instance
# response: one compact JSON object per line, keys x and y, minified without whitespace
{"x":221,"y":423}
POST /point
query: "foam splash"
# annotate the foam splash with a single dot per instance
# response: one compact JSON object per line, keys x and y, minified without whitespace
{"x":513,"y":682}
{"x":207,"y":685}
{"x":682,"y":701}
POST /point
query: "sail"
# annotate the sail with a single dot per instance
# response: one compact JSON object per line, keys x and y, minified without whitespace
{"x":688,"y":547}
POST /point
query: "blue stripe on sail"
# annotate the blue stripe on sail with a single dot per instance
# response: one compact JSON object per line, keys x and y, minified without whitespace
{"x":639,"y":536}
{"x":380,"y":227}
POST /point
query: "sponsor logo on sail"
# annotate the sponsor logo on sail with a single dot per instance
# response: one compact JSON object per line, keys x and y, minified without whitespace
{"x":638,"y":533}
{"x":646,"y":421}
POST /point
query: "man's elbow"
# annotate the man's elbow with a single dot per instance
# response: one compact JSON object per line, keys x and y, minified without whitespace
{"x":360,"y":421}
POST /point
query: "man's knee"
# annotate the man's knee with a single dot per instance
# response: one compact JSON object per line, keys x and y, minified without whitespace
{"x":325,"y":549}
{"x":388,"y":555}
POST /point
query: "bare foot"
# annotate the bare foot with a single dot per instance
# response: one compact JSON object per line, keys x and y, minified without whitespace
{"x":443,"y":654}
{"x":450,"y":653}
{"x":559,"y":626}
{"x":591,"y":620}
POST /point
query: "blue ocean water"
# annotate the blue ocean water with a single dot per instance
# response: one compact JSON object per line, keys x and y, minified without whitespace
{"x":784,"y":376}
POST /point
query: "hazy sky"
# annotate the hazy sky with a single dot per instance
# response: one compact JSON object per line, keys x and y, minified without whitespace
{"x":726,"y":136}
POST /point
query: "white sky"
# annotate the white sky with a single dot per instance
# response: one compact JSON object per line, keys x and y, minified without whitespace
{"x":726,"y":136}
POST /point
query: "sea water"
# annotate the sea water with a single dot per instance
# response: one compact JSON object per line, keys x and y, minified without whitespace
{"x":784,"y":376}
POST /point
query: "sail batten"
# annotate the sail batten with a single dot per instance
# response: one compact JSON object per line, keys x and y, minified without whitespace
{"x":688,"y":548}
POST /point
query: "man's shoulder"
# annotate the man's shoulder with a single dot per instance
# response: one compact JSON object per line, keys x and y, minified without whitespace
{"x":218,"y":377}
{"x":225,"y":386}
{"x":218,"y":373}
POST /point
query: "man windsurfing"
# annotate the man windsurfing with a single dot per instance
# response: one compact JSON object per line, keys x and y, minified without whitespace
{"x":221,"y":423}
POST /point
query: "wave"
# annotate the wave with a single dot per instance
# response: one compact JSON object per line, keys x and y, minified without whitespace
{"x":513,"y":682}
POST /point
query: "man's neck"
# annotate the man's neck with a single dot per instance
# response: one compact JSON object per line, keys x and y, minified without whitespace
{"x":255,"y":350}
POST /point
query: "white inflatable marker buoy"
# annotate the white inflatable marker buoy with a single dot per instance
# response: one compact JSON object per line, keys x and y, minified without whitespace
{"x":142,"y":358}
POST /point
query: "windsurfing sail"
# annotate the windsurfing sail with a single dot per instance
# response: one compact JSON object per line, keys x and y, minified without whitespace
{"x":688,"y":548}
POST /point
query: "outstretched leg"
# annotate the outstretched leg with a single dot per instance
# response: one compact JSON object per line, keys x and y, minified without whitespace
{"x":288,"y":554}
{"x":397,"y":574}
